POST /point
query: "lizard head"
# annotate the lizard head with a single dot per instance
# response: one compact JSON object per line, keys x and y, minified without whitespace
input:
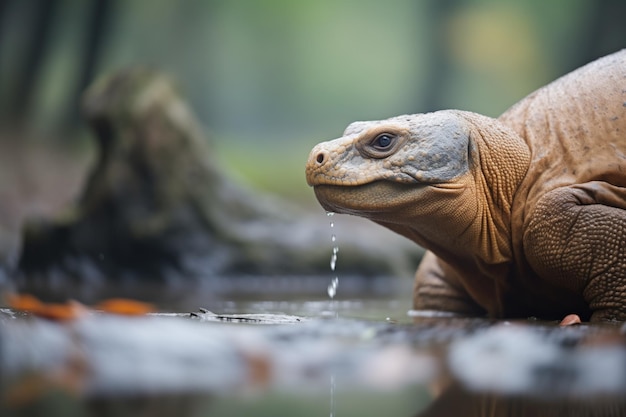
{"x":380,"y":167}
{"x":444,"y":180}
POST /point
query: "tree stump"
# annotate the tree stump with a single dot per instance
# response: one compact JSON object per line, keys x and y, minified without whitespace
{"x":157,"y":207}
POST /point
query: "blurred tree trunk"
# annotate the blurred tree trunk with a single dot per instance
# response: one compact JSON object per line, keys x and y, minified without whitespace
{"x":97,"y":26}
{"x":439,"y":66}
{"x":40,"y":16}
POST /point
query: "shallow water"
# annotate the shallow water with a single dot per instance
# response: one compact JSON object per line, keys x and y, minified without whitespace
{"x":341,"y":357}
{"x":369,"y":309}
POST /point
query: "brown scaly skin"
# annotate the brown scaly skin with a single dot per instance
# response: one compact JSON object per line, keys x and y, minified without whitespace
{"x":524,"y":215}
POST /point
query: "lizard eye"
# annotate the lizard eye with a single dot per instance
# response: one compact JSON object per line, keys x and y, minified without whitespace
{"x":383,"y":141}
{"x":379,"y":146}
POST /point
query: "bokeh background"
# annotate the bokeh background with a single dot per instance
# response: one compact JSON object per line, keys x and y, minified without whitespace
{"x":270,"y":78}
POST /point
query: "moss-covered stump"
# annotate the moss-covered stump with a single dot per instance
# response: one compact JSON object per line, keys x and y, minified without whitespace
{"x":158,"y":207}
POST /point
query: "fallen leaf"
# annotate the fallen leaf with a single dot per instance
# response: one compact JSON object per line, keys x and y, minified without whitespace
{"x":125,"y":307}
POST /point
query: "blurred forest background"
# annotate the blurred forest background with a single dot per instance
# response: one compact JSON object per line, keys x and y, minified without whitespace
{"x":270,"y":78}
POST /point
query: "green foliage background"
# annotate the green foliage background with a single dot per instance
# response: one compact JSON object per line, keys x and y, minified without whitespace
{"x":270,"y":78}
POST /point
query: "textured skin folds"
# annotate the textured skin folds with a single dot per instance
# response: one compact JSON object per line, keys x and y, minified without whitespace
{"x":524,"y":215}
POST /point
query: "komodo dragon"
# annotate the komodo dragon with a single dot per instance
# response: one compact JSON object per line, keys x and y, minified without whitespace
{"x":523,"y":215}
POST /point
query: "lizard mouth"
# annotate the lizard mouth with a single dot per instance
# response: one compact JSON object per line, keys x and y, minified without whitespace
{"x":368,"y":199}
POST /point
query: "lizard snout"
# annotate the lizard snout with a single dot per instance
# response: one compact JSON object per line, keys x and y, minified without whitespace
{"x":318,"y":157}
{"x":321,"y":157}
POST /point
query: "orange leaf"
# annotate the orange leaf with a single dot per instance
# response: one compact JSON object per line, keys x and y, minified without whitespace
{"x":125,"y":307}
{"x":24,"y":302}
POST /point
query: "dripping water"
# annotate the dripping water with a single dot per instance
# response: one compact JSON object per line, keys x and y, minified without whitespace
{"x":332,"y":287}
{"x":332,"y":291}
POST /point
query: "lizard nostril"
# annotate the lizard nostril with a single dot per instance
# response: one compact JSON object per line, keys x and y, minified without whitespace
{"x":321,"y":157}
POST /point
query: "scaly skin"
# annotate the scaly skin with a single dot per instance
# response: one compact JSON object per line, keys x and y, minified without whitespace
{"x":521,"y":215}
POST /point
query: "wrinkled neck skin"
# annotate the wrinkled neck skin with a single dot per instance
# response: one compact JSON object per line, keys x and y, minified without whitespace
{"x":467,"y":222}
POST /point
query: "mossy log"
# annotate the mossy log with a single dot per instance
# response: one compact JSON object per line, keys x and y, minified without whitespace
{"x":157,"y":206}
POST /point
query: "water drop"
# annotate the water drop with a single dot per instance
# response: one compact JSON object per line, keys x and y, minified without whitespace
{"x":333,"y":258}
{"x":332,"y":287}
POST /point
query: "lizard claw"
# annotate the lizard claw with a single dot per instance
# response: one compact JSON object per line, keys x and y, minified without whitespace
{"x":570,"y":320}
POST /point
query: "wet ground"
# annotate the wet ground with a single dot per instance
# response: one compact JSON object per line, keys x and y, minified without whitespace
{"x":347,"y":357}
{"x":267,"y":348}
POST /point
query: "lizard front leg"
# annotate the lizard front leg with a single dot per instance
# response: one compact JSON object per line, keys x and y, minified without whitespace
{"x":576,"y":238}
{"x":437,"y":288}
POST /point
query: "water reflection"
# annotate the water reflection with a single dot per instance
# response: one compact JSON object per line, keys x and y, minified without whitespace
{"x":456,"y":401}
{"x":525,"y":369}
{"x":280,"y":358}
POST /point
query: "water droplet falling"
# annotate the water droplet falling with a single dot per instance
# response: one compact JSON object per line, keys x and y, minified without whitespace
{"x":332,"y":287}
{"x":333,"y":258}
